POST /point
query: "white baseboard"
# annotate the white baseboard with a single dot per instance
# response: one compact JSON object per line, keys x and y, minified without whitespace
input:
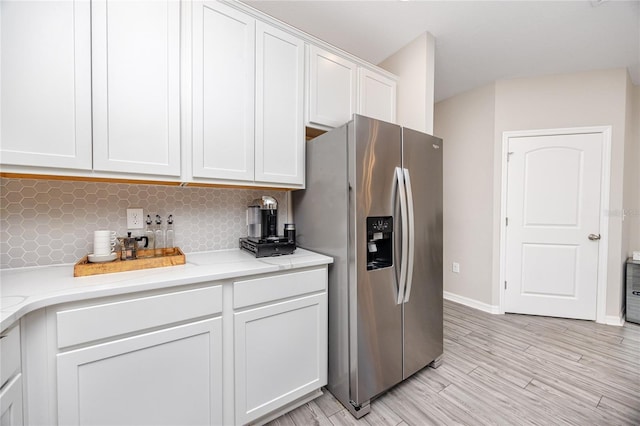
{"x":615,"y":320}
{"x":485,"y":307}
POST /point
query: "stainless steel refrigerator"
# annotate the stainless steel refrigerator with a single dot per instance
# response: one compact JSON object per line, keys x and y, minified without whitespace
{"x":373,"y":201}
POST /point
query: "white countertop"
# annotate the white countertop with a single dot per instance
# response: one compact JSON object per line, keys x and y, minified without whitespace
{"x":24,"y":290}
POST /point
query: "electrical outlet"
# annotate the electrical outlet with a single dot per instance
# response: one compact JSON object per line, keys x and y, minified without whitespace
{"x":455,"y":267}
{"x":135,"y":219}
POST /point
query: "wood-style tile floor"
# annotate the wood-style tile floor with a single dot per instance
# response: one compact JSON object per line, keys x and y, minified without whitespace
{"x":509,"y":370}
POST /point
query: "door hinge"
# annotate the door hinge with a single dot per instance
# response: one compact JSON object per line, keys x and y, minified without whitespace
{"x":506,"y":221}
{"x":509,"y":154}
{"x":505,"y":285}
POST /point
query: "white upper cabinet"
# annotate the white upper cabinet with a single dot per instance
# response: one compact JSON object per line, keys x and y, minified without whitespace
{"x":279,"y":107}
{"x":332,"y":88}
{"x":136,"y":86}
{"x":223,"y":92}
{"x":377,"y":95}
{"x":248,"y":100}
{"x":338,"y":87}
{"x":114,"y":88}
{"x":45,"y":84}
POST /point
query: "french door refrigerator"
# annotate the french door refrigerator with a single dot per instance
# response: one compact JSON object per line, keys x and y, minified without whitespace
{"x":373,"y":201}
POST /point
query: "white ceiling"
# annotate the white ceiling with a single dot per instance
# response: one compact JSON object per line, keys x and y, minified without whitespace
{"x":478,"y":42}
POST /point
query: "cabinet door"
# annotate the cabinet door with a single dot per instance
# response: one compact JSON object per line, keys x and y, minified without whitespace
{"x":167,"y":377}
{"x":223,"y":92}
{"x":280,"y":354}
{"x":136,"y":86}
{"x":279,"y":107}
{"x":332,"y":88}
{"x":11,"y":403}
{"x":45,"y":84}
{"x":377,"y":96}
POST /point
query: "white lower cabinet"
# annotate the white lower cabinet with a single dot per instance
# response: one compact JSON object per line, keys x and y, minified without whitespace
{"x":280,"y":341}
{"x":220,"y":352}
{"x":280,"y":355}
{"x":11,"y":403}
{"x":166,"y":377}
{"x":10,"y":378}
{"x":146,"y":359}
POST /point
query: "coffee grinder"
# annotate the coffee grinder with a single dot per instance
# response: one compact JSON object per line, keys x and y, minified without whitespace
{"x":262,"y":230}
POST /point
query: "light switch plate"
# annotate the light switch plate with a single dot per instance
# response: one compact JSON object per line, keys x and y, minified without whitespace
{"x":135,"y":219}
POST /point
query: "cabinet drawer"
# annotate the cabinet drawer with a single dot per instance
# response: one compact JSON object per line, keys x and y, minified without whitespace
{"x":262,"y":290}
{"x":81,"y":325}
{"x":9,"y":354}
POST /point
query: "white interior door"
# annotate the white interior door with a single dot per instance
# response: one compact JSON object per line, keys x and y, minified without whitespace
{"x":553,"y":213}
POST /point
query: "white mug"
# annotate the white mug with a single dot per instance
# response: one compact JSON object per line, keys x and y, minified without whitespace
{"x":104,"y":242}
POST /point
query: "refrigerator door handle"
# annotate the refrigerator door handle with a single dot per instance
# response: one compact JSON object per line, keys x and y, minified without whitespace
{"x":410,"y":236}
{"x":405,"y":232}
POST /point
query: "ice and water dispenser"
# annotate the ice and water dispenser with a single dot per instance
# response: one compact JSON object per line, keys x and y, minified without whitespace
{"x":379,"y":242}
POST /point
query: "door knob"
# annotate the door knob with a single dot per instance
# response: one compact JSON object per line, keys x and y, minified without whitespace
{"x":594,"y":237}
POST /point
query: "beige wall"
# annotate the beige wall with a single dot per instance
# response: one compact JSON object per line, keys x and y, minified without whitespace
{"x":472,"y":133}
{"x":595,"y":98}
{"x":466,"y":123}
{"x":632,"y":172}
{"x":414,"y":64}
{"x":635,"y":240}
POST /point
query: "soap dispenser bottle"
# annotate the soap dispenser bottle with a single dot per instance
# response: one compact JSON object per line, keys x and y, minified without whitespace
{"x":159,"y":237}
{"x":170,"y":237}
{"x":150,"y":234}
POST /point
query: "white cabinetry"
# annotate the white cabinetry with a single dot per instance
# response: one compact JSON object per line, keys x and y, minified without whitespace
{"x":230,"y":351}
{"x":338,"y":87}
{"x":279,"y":107}
{"x":332,"y":88}
{"x":96,"y":89}
{"x":128,"y":362}
{"x":10,"y":378}
{"x":56,"y":56}
{"x":166,"y":377}
{"x":377,"y":95}
{"x":280,"y":347}
{"x":11,"y":403}
{"x":223,"y":92}
{"x":45,"y":84}
{"x":247,"y":99}
{"x":136,"y":86}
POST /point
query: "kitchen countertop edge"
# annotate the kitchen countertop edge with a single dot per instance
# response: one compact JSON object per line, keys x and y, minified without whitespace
{"x":39,"y":287}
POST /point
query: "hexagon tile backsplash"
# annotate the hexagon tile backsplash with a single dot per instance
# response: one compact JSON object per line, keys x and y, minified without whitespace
{"x":47,"y":222}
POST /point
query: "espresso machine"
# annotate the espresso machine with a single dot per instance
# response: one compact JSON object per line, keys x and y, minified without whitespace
{"x":262,"y":230}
